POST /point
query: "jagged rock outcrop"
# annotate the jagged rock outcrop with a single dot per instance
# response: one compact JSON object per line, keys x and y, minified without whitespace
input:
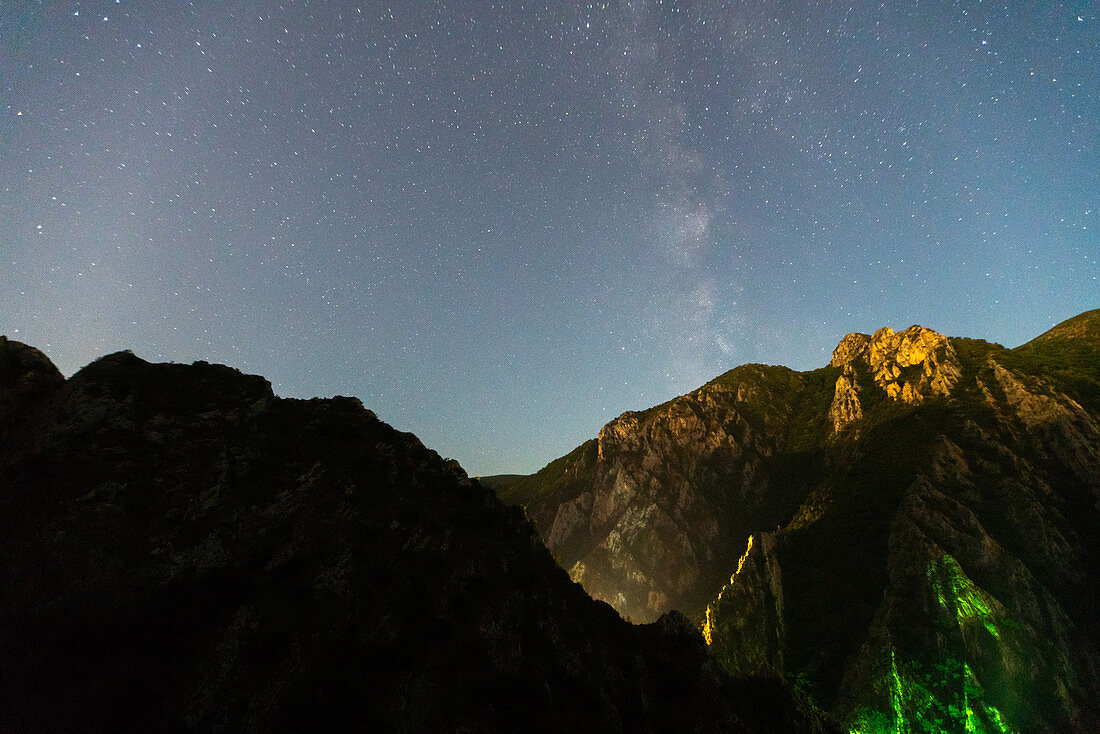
{"x":845,"y":408}
{"x":909,"y":367}
{"x":925,"y":527}
{"x":180,"y":550}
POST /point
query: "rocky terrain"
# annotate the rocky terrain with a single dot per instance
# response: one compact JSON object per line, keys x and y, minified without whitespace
{"x":180,"y":550}
{"x":910,"y":535}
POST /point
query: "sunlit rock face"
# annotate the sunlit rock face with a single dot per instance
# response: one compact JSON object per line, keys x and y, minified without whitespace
{"x":911,"y":535}
{"x":909,"y":366}
{"x":845,"y":408}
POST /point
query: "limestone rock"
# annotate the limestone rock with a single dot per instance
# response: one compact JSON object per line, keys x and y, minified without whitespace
{"x":849,"y":349}
{"x":909,"y":366}
{"x":845,"y":408}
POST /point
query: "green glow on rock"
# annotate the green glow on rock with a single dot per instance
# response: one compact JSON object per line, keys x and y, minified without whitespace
{"x":933,"y":693}
{"x":947,"y":698}
{"x":958,"y":594}
{"x":896,"y":698}
{"x":914,"y":707}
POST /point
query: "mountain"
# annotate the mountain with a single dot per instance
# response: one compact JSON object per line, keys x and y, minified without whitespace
{"x":498,"y":482}
{"x":180,"y":550}
{"x":910,"y":535}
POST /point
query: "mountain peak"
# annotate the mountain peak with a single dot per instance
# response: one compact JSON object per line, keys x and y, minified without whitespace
{"x":909,"y":366}
{"x":26,"y":375}
{"x":1084,"y":326}
{"x":19,"y":361}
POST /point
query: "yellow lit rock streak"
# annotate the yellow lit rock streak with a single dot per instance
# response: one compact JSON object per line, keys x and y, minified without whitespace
{"x":708,"y":625}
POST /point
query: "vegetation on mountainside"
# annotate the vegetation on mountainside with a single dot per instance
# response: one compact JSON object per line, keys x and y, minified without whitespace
{"x":549,"y":484}
{"x":1068,"y":355}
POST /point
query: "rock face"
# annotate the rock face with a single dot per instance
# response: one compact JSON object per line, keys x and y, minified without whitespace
{"x":918,"y":527}
{"x":745,"y":624}
{"x":909,"y":367}
{"x":182,"y":551}
{"x":642,"y":516}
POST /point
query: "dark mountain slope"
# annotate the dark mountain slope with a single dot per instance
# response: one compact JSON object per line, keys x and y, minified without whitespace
{"x":1068,"y":355}
{"x":911,"y":534}
{"x":182,"y":551}
{"x":1084,"y":328}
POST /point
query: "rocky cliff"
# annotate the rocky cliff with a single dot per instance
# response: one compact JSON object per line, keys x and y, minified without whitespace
{"x":642,"y":516}
{"x":911,"y":535}
{"x":909,"y":367}
{"x":180,"y":550}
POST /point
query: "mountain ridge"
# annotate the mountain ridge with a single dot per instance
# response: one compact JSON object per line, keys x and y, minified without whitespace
{"x":873,"y":508}
{"x":180,"y":550}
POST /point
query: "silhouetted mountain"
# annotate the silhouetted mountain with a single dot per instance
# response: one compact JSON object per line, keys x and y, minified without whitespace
{"x":180,"y":550}
{"x":910,"y":535}
{"x":497,"y":482}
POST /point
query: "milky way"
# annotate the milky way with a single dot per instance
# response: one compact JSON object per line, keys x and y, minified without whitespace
{"x":500,"y":225}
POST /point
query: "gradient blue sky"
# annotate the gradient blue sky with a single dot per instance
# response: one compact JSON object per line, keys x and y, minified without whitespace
{"x":502,"y":224}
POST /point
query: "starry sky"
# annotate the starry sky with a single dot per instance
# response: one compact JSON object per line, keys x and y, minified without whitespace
{"x":502,"y":224}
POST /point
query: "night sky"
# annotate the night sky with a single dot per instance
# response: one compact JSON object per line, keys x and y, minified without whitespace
{"x":501,"y":225}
